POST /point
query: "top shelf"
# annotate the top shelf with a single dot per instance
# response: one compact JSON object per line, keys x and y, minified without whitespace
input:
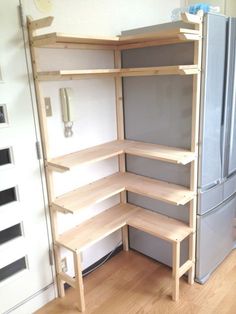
{"x":162,"y":37}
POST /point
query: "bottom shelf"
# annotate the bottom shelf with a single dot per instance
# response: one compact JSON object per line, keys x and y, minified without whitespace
{"x":100,"y":226}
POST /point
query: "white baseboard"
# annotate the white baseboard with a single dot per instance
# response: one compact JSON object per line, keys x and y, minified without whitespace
{"x":35,"y":302}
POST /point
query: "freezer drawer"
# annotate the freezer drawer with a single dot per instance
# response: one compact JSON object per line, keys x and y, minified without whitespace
{"x":215,"y":238}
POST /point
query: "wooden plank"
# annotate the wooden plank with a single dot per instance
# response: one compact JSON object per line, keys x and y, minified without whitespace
{"x":40,"y":23}
{"x":191,"y":18}
{"x":147,"y":71}
{"x":161,"y":34}
{"x":160,"y":190}
{"x":194,"y":148}
{"x":112,"y":42}
{"x":158,"y":225}
{"x":175,"y":270}
{"x":185,"y":267}
{"x":90,"y":194}
{"x":114,"y":148}
{"x":68,"y":279}
{"x":87,"y":156}
{"x":158,"y":152}
{"x":96,"y":228}
{"x":79,"y":282}
{"x":104,"y":188}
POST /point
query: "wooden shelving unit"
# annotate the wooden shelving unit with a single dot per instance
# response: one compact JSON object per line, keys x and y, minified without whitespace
{"x":122,"y":215}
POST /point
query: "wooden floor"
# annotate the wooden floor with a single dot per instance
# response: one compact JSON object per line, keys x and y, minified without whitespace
{"x":132,"y":283}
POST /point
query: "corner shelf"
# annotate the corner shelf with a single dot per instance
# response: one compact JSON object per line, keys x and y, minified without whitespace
{"x":112,"y":219}
{"x":124,"y":214}
{"x":99,"y":73}
{"x":162,"y":37}
{"x":111,"y":149}
{"x":104,"y":188}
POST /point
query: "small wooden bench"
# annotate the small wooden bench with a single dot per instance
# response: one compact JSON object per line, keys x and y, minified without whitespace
{"x":120,"y":217}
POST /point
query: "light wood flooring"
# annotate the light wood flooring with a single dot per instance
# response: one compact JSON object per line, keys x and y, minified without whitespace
{"x":132,"y":283}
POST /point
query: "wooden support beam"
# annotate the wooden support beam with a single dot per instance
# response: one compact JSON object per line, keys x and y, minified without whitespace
{"x":79,"y":281}
{"x":40,"y":23}
{"x":191,"y":18}
{"x":175,"y":270}
{"x":195,"y":142}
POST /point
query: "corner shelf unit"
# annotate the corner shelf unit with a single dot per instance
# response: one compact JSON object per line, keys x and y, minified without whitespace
{"x":122,"y":215}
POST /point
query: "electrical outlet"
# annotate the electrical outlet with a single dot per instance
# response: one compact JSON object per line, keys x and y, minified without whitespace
{"x":64,"y":267}
{"x":48,"y":106}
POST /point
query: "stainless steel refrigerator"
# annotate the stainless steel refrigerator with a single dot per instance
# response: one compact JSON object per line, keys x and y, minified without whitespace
{"x":158,"y":110}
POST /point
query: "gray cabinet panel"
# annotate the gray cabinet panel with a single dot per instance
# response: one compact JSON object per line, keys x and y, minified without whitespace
{"x":215,"y":238}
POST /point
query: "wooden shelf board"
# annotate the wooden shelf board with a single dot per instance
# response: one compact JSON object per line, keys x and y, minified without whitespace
{"x":160,"y":190}
{"x":87,"y":156}
{"x":147,"y":71}
{"x":158,"y":225}
{"x":48,"y":40}
{"x":105,"y":223}
{"x":96,"y":228}
{"x":114,"y":148}
{"x":104,"y":188}
{"x":90,"y":194}
{"x":158,"y":152}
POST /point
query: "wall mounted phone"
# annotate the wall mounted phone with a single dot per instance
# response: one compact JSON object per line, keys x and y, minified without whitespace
{"x":67,"y":110}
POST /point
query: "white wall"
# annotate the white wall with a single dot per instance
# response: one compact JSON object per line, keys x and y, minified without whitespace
{"x":94,"y":99}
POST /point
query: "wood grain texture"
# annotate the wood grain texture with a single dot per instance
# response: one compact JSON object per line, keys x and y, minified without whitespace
{"x":96,"y":228}
{"x":115,"y":41}
{"x":147,"y":71}
{"x":145,"y":289}
{"x":114,"y":148}
{"x":105,"y":223}
{"x":104,"y":188}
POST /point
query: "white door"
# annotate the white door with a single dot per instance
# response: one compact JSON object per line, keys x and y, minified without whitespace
{"x":24,"y":245}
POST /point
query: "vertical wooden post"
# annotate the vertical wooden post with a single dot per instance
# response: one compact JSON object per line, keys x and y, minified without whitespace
{"x":121,"y":136}
{"x":175,"y":270}
{"x":194,"y":148}
{"x":79,"y":281}
{"x":32,"y":27}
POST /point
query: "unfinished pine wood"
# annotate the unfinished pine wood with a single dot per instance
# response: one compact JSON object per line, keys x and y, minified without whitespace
{"x":195,"y":141}
{"x":114,"y":148}
{"x":86,"y":156}
{"x":175,"y":270}
{"x":96,"y":73}
{"x":100,"y":226}
{"x":160,"y":190}
{"x":158,"y":225}
{"x":55,"y":39}
{"x":160,"y":152}
{"x":104,"y":188}
{"x":96,"y":228}
{"x":90,"y":194}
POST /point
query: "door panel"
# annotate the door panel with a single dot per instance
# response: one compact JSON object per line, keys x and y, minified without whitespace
{"x":230,"y":103}
{"x":215,"y":238}
{"x":24,"y":246}
{"x":212,"y":100}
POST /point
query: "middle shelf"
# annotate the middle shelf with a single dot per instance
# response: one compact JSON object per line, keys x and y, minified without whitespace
{"x":104,"y":188}
{"x":124,"y":72}
{"x":110,"y":149}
